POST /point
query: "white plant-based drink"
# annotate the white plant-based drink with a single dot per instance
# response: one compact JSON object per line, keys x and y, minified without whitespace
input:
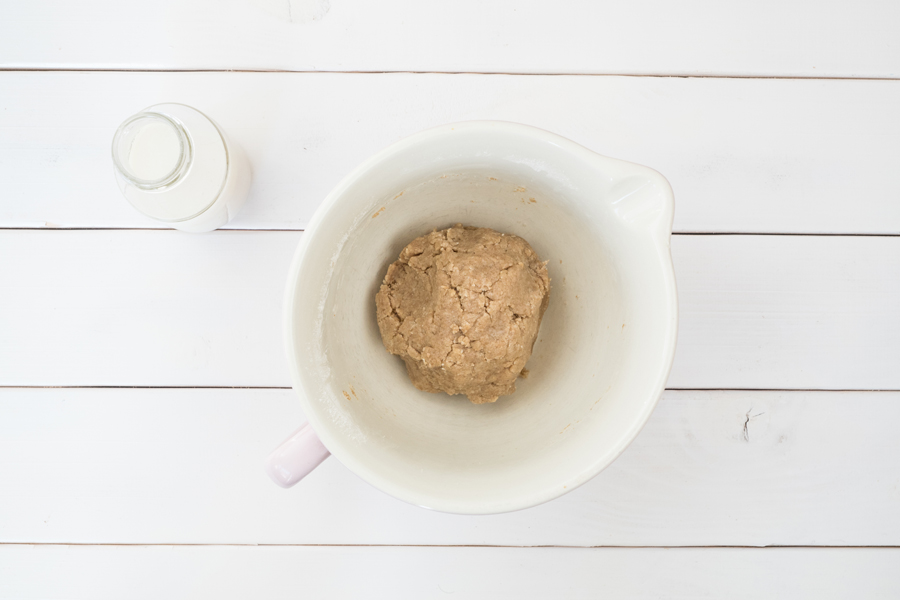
{"x":176,"y":166}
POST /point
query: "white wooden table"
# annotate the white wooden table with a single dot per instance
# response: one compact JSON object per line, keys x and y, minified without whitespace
{"x":143,"y":373}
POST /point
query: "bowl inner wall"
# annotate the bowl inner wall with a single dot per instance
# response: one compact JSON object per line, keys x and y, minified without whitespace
{"x":566,"y":408}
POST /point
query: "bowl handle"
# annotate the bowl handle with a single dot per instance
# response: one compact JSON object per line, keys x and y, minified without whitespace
{"x":645,"y":200}
{"x":296,"y":457}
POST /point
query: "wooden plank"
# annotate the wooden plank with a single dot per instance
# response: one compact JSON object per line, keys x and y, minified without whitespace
{"x":101,"y":572}
{"x":742,"y":155}
{"x":143,"y":308}
{"x":787,"y":312}
{"x":702,"y":37}
{"x":170,"y":309}
{"x":184,"y":466}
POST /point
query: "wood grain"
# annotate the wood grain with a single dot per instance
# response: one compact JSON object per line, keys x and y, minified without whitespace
{"x":143,"y":308}
{"x":742,"y":155}
{"x":701,"y":37}
{"x":787,"y":312}
{"x":713,"y":468}
{"x":152,"y":308}
{"x":185,"y":466}
{"x":98,"y":572}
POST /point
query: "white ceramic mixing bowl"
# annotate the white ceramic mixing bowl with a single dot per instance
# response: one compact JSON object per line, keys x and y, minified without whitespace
{"x":605,"y":346}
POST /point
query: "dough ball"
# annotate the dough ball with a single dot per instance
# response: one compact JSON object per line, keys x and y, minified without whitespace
{"x":462,"y":308}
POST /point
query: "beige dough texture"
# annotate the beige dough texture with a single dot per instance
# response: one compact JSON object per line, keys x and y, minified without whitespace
{"x":462,"y":308}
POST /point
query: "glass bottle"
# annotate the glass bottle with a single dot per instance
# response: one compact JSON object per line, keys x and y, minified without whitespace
{"x":176,"y":166}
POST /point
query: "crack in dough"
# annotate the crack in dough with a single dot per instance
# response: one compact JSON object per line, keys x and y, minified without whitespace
{"x":462,"y":308}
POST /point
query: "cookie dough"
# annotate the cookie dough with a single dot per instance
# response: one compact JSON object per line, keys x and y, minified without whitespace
{"x":462,"y":308}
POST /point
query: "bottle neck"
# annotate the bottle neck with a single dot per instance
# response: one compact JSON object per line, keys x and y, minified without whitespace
{"x":151,"y":151}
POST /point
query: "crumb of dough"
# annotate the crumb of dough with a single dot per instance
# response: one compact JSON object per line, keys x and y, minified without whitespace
{"x":462,"y":308}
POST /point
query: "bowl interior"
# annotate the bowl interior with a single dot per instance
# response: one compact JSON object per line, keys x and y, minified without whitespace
{"x":599,"y":354}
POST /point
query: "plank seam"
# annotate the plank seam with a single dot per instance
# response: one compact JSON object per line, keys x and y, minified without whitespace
{"x":274,"y":387}
{"x":144,"y":387}
{"x":486,"y":73}
{"x":685,"y":233}
{"x":248,"y":545}
{"x":702,"y":389}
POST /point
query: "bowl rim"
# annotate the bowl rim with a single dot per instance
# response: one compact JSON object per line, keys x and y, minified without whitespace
{"x":397,"y":489}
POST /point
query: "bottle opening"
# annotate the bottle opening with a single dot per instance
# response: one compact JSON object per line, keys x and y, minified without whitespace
{"x":151,"y":151}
